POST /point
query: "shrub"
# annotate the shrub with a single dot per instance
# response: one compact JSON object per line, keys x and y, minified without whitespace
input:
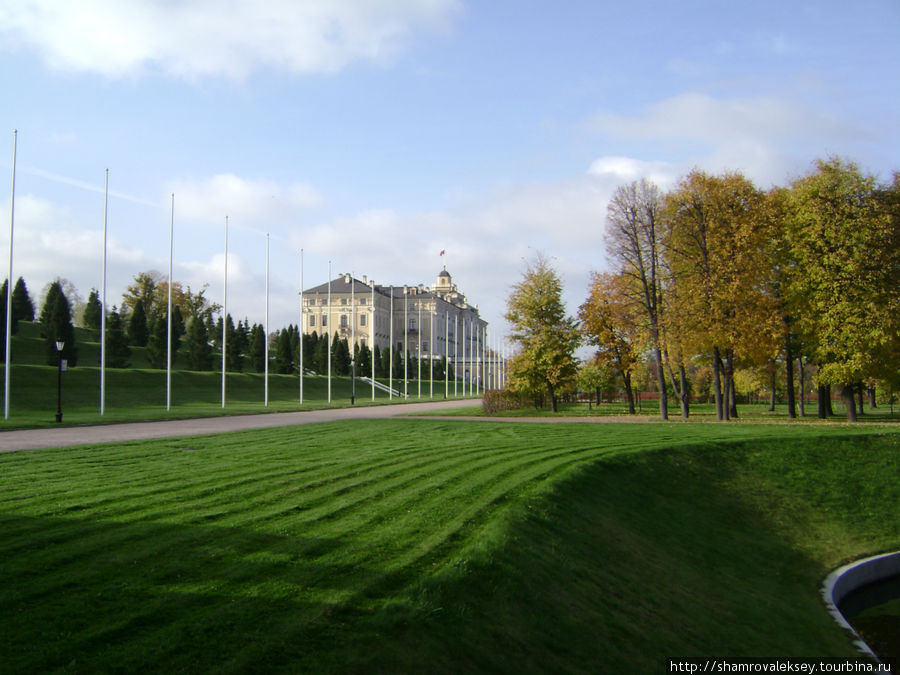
{"x":496,"y":400}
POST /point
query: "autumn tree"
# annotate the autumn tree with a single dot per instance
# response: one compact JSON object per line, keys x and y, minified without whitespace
{"x":714,"y":247}
{"x":608,"y":324}
{"x":547,"y":338}
{"x":845,"y":239}
{"x":634,"y":231}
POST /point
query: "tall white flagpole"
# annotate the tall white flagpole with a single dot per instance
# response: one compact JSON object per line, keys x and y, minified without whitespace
{"x":301,"y":326}
{"x":405,"y":342}
{"x":447,"y":355}
{"x":431,"y":357}
{"x":225,"y":311}
{"x":103,"y":303}
{"x":419,"y":349}
{"x":169,"y":322}
{"x":12,"y":220}
{"x":464,"y":356}
{"x":267,"y":323}
{"x":456,"y":354}
{"x":352,"y":340}
{"x":328,"y":323}
{"x":372,"y":341}
{"x":391,"y":349}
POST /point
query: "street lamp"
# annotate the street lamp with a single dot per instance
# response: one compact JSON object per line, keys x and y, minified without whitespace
{"x":59,"y":348}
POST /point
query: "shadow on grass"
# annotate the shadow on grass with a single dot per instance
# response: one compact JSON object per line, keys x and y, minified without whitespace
{"x":629,"y":562}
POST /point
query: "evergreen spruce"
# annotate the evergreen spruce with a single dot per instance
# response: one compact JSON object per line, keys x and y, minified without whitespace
{"x":199,"y":350}
{"x":138,"y":328}
{"x":22,"y":307}
{"x":117,"y":349}
{"x":93,"y":311}
{"x":258,"y":348}
{"x":156,"y":342}
{"x":283,"y":357}
{"x":56,"y":324}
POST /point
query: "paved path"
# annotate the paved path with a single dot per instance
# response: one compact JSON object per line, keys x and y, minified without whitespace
{"x":109,"y":433}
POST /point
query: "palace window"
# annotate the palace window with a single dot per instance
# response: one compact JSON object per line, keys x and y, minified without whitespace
{"x":362,"y":319}
{"x":312,"y":320}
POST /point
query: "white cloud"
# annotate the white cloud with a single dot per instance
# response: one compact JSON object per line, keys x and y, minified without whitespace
{"x":767,"y":138}
{"x":247,"y":203}
{"x":197,"y":38}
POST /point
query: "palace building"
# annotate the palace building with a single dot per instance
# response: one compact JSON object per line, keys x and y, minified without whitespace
{"x":434,"y":323}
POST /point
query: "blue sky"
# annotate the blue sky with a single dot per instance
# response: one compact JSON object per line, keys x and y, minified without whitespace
{"x":375,"y":134}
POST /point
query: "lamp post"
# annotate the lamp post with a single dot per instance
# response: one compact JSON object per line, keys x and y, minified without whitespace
{"x":59,"y":349}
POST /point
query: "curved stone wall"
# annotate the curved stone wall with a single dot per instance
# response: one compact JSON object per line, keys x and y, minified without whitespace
{"x":848,"y":578}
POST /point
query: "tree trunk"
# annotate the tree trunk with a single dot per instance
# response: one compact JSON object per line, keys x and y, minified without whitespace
{"x":871,"y":392}
{"x":685,"y":394}
{"x":661,"y":381}
{"x":789,"y":364}
{"x":629,"y":394}
{"x":772,"y":390}
{"x":824,"y":393}
{"x":802,"y":374}
{"x":859,"y":391}
{"x":717,"y":385}
{"x":730,"y":408}
{"x":552,"y":396}
{"x":849,"y":402}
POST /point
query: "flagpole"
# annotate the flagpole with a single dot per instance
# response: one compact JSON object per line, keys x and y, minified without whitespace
{"x":405,"y":342}
{"x":267,"y":324}
{"x":103,"y":303}
{"x":301,"y":326}
{"x":225,"y":311}
{"x":328,"y":324}
{"x":419,"y":348}
{"x":12,"y":220}
{"x":372,"y":341}
{"x":353,"y":349}
{"x":169,"y":322}
{"x":431,"y":357}
{"x":456,"y":355}
{"x":447,"y":355}
{"x":391,"y":349}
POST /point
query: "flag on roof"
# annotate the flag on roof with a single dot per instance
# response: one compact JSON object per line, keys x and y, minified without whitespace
{"x":443,"y":251}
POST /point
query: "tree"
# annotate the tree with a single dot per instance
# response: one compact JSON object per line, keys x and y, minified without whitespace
{"x":234,"y":358}
{"x":284,"y":361}
{"x":93,"y":311}
{"x":546,"y":337}
{"x":199,"y":351}
{"x":599,"y":377}
{"x":714,"y":246}
{"x":340,"y":355}
{"x":634,"y":232}
{"x":151,"y":289}
{"x":117,"y":349}
{"x":4,"y":290}
{"x":56,"y":324}
{"x":845,"y":238}
{"x":22,"y":307}
{"x":157,"y":342}
{"x":138,"y":329}
{"x":258,"y":348}
{"x":607,"y":323}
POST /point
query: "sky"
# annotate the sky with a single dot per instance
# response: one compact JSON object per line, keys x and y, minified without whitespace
{"x":374,"y":134}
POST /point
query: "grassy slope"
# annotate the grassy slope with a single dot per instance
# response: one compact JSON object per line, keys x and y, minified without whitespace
{"x":417,"y":545}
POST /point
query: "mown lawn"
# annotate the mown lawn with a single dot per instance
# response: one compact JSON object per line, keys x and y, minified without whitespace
{"x":426,"y":546}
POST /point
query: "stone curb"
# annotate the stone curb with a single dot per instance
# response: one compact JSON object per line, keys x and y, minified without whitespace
{"x":844,"y":580}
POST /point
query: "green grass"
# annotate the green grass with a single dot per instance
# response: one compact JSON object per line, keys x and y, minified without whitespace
{"x":139,"y":393}
{"x":437,"y":546}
